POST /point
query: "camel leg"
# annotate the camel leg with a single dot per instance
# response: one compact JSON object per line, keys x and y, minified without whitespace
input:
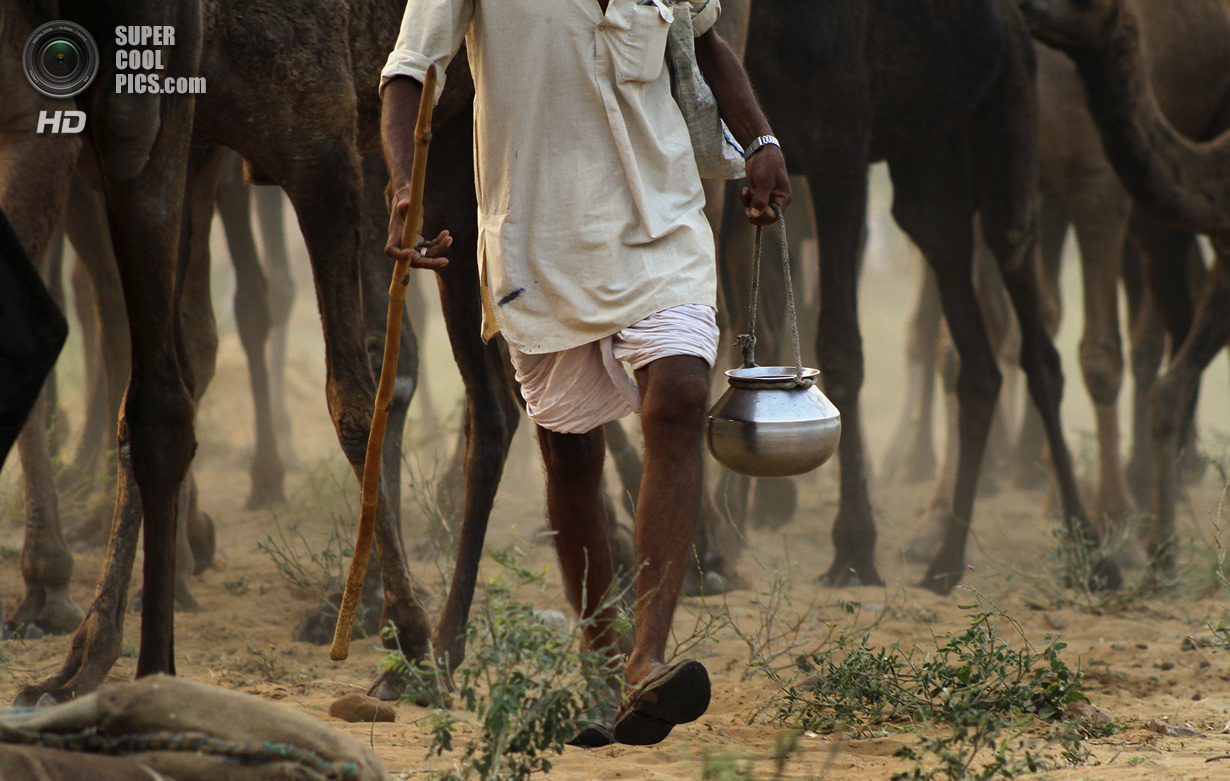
{"x":838,"y":185}
{"x":198,"y":326}
{"x":93,"y":441}
{"x":492,"y":412}
{"x":1148,"y":348}
{"x":281,"y":300}
{"x":253,"y":322}
{"x":1004,"y":171}
{"x":324,"y":182}
{"x":57,"y":421}
{"x":1172,"y":399}
{"x":912,"y":457}
{"x":86,"y":226}
{"x":1101,"y":236}
{"x":1032,"y":469}
{"x":933,"y":205}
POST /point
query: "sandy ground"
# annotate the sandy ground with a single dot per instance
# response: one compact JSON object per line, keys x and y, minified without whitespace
{"x":1131,"y":653}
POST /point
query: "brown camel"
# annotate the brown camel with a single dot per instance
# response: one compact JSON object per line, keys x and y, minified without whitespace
{"x":1185,"y":43}
{"x":945,"y":95}
{"x":1177,"y":182}
{"x":142,"y":141}
{"x":144,"y":171}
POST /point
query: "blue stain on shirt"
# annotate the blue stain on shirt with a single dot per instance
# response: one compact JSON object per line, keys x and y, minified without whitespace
{"x":511,"y":296}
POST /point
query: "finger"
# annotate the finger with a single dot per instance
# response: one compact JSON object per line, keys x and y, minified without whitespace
{"x":745,"y":196}
{"x":397,"y":253}
{"x":427,"y":262}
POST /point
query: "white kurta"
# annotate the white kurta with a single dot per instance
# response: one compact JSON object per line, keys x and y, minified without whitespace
{"x":590,"y":206}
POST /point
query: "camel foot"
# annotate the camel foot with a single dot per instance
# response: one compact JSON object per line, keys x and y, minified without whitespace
{"x":91,"y":656}
{"x":45,"y":611}
{"x":266,"y":491}
{"x":711,"y":584}
{"x":942,"y":580}
{"x":1094,"y":569}
{"x":318,"y":626}
{"x":426,"y":692}
{"x":774,"y":502}
{"x":203,"y":541}
{"x":849,"y":571}
{"x":1163,"y":554}
{"x":60,"y":615}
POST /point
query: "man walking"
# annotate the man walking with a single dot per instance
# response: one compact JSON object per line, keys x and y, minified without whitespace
{"x":594,"y":252}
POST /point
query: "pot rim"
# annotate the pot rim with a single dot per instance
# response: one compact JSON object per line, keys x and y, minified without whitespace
{"x":771,"y":373}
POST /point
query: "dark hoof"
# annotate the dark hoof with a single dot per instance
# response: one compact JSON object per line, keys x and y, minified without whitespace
{"x":13,"y":631}
{"x":844,"y":573}
{"x":774,"y":502}
{"x":39,"y":697}
{"x":708,"y":584}
{"x":1106,"y":576}
{"x":940,"y":581}
{"x":679,"y":695}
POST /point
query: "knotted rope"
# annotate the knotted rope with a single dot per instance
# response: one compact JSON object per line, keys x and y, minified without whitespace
{"x":747,"y":342}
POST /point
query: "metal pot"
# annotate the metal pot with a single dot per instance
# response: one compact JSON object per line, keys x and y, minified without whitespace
{"x":763,"y":427}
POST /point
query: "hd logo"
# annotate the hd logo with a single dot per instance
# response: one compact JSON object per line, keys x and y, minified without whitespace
{"x":60,"y":60}
{"x":61,"y":121}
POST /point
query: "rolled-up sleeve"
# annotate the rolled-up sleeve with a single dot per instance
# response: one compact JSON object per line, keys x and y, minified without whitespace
{"x":704,"y":14}
{"x":431,"y":31}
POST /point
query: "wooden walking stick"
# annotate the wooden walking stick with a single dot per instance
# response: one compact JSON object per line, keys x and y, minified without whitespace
{"x":388,"y":375}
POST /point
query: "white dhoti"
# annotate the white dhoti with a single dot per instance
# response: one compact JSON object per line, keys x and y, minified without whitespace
{"x":576,"y":390}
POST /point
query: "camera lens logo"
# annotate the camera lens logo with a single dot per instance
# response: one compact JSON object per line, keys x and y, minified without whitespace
{"x":60,"y":59}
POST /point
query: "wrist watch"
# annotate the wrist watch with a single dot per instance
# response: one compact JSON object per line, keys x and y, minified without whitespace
{"x":758,"y":144}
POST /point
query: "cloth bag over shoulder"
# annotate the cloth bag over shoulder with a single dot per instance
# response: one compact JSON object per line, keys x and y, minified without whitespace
{"x":718,"y":155}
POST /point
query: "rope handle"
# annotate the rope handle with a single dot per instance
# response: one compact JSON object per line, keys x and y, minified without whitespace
{"x":747,"y":342}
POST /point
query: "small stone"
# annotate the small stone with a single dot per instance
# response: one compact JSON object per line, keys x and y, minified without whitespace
{"x":1118,"y":646}
{"x":1166,"y":665}
{"x":1197,"y":697}
{"x":1171,"y":731}
{"x":355,"y":707}
{"x":1143,"y":646}
{"x":1055,"y":622}
{"x":1090,"y":714}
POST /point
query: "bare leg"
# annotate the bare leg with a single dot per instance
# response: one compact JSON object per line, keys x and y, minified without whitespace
{"x":675,"y":393}
{"x":574,"y":511}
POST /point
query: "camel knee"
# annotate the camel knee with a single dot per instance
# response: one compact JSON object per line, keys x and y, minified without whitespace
{"x":1102,"y":366}
{"x":158,"y":424}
